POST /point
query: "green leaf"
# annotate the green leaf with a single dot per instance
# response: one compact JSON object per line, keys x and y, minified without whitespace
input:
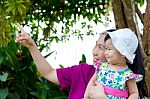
{"x":49,"y":54}
{"x":57,"y":39}
{"x":1,"y":56}
{"x":9,"y":9}
{"x":61,"y":66}
{"x":140,"y":2}
{"x":3,"y":77}
{"x":61,"y":97}
{"x":12,"y":58}
{"x":3,"y":93}
{"x":1,"y":59}
{"x":83,"y":58}
{"x":43,"y":94}
{"x":13,"y":96}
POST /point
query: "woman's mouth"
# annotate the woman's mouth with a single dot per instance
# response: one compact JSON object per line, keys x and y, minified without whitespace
{"x":95,"y":60}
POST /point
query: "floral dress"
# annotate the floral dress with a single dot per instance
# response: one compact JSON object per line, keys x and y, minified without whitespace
{"x":115,"y":80}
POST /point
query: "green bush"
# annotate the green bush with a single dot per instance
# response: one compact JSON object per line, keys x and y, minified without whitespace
{"x":19,"y":78}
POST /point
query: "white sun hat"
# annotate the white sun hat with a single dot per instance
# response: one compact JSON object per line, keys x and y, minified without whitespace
{"x":125,"y":41}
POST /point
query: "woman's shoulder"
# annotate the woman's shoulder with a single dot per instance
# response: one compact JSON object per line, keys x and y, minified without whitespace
{"x":82,"y":66}
{"x":86,"y":66}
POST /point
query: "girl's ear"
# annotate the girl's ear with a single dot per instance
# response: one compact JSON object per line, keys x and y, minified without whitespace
{"x":125,"y":59}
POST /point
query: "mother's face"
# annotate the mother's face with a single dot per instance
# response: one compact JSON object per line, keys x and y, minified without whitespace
{"x":98,"y":50}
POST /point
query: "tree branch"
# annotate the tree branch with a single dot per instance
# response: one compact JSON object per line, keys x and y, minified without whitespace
{"x":139,"y":14}
{"x":137,"y":27}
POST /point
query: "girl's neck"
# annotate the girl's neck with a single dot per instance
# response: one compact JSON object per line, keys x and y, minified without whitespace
{"x":117,"y":67}
{"x":119,"y":64}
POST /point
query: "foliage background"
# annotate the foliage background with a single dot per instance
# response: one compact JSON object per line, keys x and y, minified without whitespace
{"x":18,"y":75}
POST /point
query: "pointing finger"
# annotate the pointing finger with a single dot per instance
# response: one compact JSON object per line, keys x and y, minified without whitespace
{"x":20,"y":27}
{"x":18,"y":34}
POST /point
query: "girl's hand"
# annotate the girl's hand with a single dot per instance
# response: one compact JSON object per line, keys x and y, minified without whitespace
{"x":23,"y":38}
{"x":97,"y":91}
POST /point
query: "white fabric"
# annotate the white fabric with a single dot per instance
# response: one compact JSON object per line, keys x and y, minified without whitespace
{"x":125,"y":41}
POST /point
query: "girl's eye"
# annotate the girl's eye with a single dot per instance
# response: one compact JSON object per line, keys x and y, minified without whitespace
{"x":107,"y":48}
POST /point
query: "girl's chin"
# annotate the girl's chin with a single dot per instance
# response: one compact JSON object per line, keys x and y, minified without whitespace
{"x":109,"y":61}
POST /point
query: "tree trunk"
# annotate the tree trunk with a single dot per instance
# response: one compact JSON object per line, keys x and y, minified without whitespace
{"x":146,"y":42}
{"x":146,"y":36}
{"x":122,"y":10}
{"x":123,"y":14}
{"x":118,"y":13}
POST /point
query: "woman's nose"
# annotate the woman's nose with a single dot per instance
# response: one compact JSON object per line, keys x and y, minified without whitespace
{"x":94,"y":54}
{"x":95,"y":51}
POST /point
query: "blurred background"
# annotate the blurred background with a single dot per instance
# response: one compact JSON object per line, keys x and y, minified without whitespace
{"x":65,"y":32}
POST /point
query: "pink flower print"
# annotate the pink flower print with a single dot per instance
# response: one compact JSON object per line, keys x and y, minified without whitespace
{"x":112,"y":76}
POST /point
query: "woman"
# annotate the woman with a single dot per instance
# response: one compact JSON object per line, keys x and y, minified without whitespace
{"x":74,"y":78}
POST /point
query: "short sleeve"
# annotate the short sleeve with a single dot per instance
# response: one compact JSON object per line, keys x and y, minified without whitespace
{"x":75,"y":76}
{"x":65,"y":76}
{"x":136,"y":77}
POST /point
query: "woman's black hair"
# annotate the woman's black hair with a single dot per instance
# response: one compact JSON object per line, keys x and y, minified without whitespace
{"x":107,"y":35}
{"x":110,"y":30}
{"x":138,"y":68}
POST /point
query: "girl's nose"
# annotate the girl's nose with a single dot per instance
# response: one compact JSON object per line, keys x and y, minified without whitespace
{"x":106,"y":52}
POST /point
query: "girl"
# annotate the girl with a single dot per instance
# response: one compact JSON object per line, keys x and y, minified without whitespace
{"x":115,"y":75}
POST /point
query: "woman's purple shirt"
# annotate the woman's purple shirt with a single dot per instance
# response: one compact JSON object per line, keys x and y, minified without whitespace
{"x":75,"y":79}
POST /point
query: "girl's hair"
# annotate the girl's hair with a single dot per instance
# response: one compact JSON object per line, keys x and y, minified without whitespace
{"x":138,"y":68}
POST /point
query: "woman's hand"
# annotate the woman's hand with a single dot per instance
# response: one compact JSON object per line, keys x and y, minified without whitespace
{"x":23,"y":38}
{"x":97,"y":91}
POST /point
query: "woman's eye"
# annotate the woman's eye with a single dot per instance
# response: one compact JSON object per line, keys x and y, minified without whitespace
{"x":101,"y":47}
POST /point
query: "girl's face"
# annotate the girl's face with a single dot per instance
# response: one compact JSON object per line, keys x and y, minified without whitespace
{"x":112,"y":55}
{"x":98,"y":50}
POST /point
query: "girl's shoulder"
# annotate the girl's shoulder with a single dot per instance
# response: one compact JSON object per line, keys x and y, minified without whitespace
{"x":131,"y":75}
